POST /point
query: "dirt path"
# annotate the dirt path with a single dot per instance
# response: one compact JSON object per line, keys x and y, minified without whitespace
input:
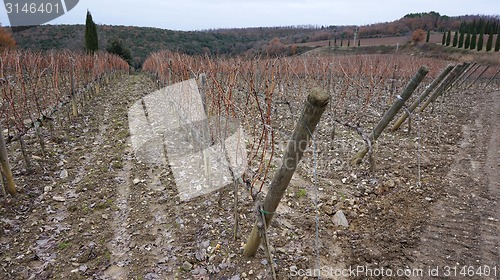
{"x":462,"y":233}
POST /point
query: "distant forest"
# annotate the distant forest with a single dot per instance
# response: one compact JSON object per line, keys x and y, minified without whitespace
{"x":239,"y":41}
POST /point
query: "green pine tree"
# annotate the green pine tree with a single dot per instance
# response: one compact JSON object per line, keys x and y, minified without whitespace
{"x":428,"y":36}
{"x":473,"y":41}
{"x":91,"y":41}
{"x":489,"y":43}
{"x":115,"y":46}
{"x":461,"y":40}
{"x":467,"y":41}
{"x":480,"y":42}
{"x":448,"y":38}
{"x":455,"y":39}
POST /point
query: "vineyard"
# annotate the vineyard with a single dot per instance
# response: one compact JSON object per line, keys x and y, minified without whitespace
{"x":88,"y":208}
{"x":266,"y":95}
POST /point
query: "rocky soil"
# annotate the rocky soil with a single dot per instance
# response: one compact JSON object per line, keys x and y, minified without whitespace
{"x":90,"y":210}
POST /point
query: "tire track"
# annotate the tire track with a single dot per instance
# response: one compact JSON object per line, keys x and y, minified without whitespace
{"x":464,"y":226}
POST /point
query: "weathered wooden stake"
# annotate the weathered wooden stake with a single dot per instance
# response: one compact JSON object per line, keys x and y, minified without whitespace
{"x":443,"y":86}
{"x":492,"y":78}
{"x":391,"y":113}
{"x":422,"y":97}
{"x":465,"y":73}
{"x":203,"y":82}
{"x":471,"y":71}
{"x":4,"y":161}
{"x":313,"y":109}
{"x":478,"y":77}
{"x":73,"y":94}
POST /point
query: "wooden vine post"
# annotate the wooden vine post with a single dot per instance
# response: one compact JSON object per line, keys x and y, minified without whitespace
{"x":4,"y":161}
{"x":74,"y":105}
{"x":422,"y":97}
{"x":391,"y":113}
{"x":314,"y":107}
{"x":443,"y":86}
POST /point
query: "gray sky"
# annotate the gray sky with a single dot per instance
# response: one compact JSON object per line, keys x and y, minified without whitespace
{"x":200,"y":15}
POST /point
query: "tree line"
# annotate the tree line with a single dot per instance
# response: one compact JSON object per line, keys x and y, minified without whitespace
{"x":471,"y":35}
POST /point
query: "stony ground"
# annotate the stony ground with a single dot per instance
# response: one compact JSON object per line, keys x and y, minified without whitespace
{"x":90,"y":210}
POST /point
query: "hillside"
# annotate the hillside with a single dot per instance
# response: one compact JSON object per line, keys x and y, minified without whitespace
{"x":144,"y":40}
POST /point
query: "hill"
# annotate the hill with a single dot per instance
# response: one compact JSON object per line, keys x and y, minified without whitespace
{"x":144,"y":40}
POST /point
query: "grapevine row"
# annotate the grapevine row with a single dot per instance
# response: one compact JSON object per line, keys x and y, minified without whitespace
{"x":33,"y":84}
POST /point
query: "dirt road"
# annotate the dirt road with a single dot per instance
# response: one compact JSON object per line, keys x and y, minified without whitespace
{"x":461,"y":238}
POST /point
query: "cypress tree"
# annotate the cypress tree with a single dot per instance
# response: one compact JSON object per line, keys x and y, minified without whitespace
{"x":467,"y":41}
{"x":473,"y":41}
{"x":428,"y":36}
{"x":461,"y":40}
{"x":443,"y":41}
{"x":463,"y":27}
{"x":91,"y":41}
{"x":448,"y":38}
{"x":489,"y":43}
{"x":472,"y":27}
{"x":497,"y":42}
{"x":480,"y":42}
{"x":455,"y":39}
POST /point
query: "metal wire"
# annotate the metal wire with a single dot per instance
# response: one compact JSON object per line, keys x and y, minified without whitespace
{"x":316,"y":199}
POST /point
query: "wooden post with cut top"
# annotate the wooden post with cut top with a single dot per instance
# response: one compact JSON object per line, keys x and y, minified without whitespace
{"x":422,"y":97}
{"x":314,"y":107}
{"x":391,"y":113}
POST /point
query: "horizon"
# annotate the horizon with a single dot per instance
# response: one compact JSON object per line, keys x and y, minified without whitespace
{"x":225,"y":14}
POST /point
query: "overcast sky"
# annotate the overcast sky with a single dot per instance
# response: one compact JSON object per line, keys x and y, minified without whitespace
{"x":206,"y":14}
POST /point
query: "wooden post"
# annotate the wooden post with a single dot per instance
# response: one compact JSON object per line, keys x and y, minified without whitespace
{"x":73,"y":94}
{"x":422,"y":97}
{"x":203,"y":82}
{"x":4,"y":161}
{"x":443,"y":86}
{"x":478,"y":77}
{"x":391,"y":113}
{"x":467,"y":67}
{"x":313,"y":109}
{"x":492,"y":78}
{"x":471,"y":71}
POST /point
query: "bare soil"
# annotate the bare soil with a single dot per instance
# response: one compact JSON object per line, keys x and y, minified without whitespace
{"x":91,"y":210}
